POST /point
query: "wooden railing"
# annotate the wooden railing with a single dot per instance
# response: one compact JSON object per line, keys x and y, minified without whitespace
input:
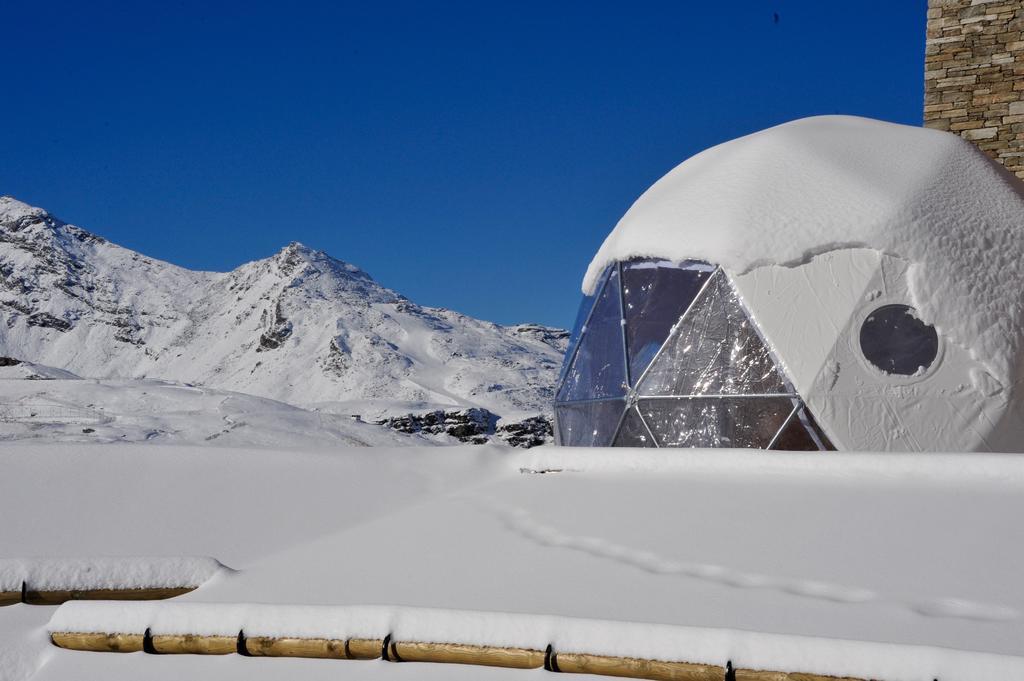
{"x":572,"y":662}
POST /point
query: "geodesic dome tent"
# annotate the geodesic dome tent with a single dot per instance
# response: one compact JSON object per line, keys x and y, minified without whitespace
{"x":834,"y":282}
{"x":666,"y":355}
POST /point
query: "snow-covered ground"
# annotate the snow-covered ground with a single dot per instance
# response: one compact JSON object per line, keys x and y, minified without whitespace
{"x":64,"y":408}
{"x":45,"y":405}
{"x":882,"y":566}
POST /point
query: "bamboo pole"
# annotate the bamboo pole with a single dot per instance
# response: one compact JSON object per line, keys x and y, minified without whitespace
{"x":582,"y":663}
{"x":185,"y":644}
{"x":98,"y":643}
{"x":364,"y":648}
{"x":56,"y":597}
{"x":326,"y":648}
{"x":457,"y":653}
{"x":323,"y":648}
{"x":452,"y":653}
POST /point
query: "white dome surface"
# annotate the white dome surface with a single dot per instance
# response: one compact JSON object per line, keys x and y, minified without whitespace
{"x":786,"y":194}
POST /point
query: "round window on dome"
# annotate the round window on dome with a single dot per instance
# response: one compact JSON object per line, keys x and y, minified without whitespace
{"x":895,"y":341}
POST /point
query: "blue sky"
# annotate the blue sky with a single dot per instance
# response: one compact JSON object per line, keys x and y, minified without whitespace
{"x":471,"y":155}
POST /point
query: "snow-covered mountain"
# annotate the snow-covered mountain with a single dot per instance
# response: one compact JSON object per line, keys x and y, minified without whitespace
{"x":300,"y":327}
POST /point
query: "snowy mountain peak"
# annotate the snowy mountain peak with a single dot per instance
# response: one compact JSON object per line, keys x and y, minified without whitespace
{"x":300,"y":326}
{"x":16,"y":216}
{"x":296,"y":258}
{"x":12,"y":210}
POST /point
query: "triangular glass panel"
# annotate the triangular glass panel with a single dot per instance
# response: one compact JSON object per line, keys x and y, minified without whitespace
{"x":714,"y":350}
{"x":655,"y":294}
{"x":743,"y":422}
{"x":577,"y":328}
{"x":802,"y":434}
{"x":588,"y":424}
{"x":599,"y":368}
{"x":632,"y":432}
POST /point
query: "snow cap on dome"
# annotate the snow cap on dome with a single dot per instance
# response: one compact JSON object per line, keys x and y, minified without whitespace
{"x":786,"y":194}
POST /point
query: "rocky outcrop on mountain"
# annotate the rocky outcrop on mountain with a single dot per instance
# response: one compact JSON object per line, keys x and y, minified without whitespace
{"x":475,"y":426}
{"x":530,"y":432}
{"x":300,"y":327}
{"x":279,"y":331}
{"x":556,"y":338}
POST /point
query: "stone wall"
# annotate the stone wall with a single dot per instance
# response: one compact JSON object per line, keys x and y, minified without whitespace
{"x":974,"y":75}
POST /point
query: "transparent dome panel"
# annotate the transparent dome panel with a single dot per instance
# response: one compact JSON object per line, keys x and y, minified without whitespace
{"x":802,"y":434}
{"x":586,"y":305}
{"x":714,"y":350}
{"x":598,"y":368}
{"x":633,"y":432}
{"x":588,"y":424}
{"x":747,"y":422}
{"x":655,"y":294}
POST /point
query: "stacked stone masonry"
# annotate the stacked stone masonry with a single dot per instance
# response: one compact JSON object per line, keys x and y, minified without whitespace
{"x":974,"y":75}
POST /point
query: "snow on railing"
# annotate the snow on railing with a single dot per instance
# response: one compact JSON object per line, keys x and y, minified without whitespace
{"x":522,"y":641}
{"x":51,"y":581}
{"x":20,"y":412}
